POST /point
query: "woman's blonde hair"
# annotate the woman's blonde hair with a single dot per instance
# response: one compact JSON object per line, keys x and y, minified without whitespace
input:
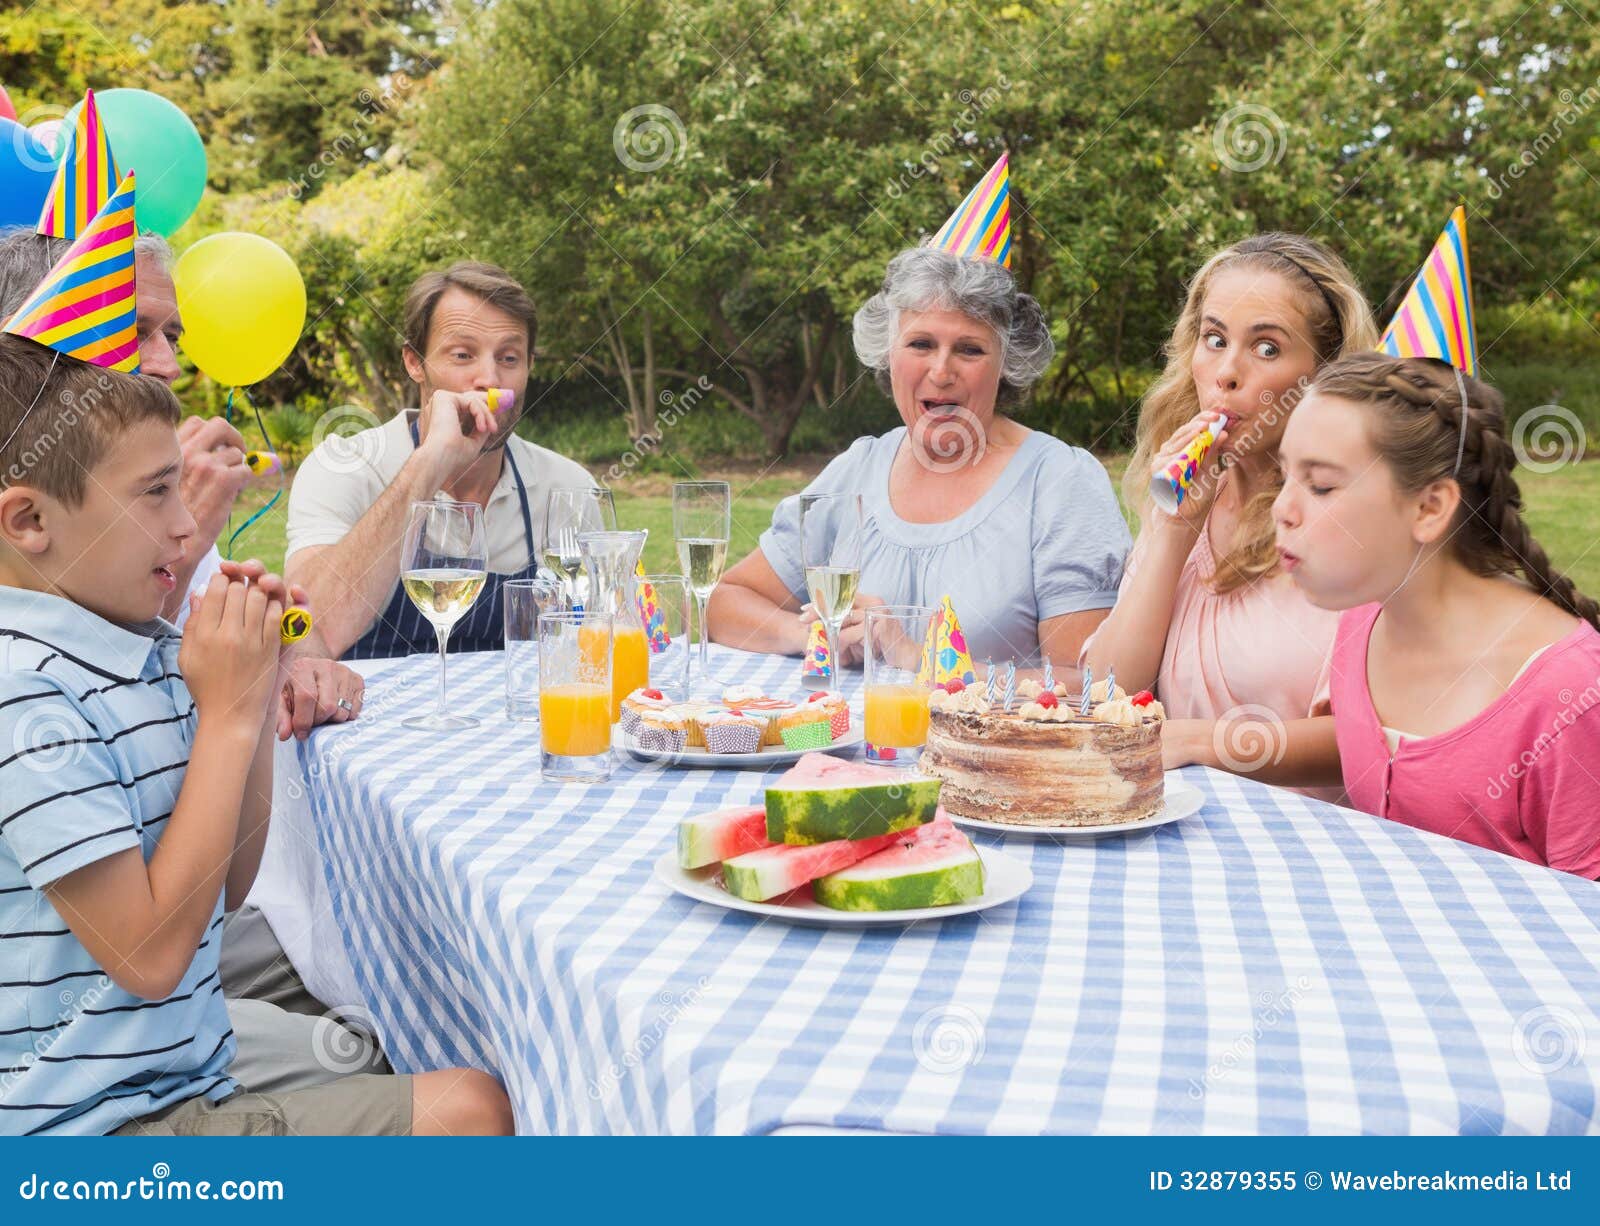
{"x":1341,"y":322}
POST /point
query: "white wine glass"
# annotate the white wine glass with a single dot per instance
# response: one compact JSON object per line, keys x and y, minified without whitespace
{"x":569,"y":512}
{"x":702,"y":518}
{"x":443,"y":564}
{"x":830,"y":552}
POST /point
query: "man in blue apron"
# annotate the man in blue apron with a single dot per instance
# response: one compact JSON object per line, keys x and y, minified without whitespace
{"x":467,"y":329}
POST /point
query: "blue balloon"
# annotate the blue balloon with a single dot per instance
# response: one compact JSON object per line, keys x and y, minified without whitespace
{"x":27,"y":165}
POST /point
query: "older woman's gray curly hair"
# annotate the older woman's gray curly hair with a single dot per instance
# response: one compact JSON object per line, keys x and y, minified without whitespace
{"x":927,"y":279}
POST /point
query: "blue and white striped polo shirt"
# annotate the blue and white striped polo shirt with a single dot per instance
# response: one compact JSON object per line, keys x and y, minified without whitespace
{"x":95,"y":731}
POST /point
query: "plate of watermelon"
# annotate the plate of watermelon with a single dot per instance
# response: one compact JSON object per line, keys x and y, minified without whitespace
{"x":840,"y":843}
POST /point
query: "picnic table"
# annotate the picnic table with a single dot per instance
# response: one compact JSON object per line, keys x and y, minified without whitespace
{"x":1270,"y":964}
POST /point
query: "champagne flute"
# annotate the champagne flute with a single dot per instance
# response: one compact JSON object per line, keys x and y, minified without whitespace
{"x":702,"y":516}
{"x":830,"y":552}
{"x":569,"y":511}
{"x":443,"y":564}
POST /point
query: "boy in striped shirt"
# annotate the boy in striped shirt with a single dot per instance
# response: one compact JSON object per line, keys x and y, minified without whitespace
{"x":135,"y":788}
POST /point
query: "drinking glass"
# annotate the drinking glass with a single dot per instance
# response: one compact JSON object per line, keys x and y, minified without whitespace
{"x":523,"y":601}
{"x":575,"y":696}
{"x":669,"y":638}
{"x":443,"y":564}
{"x":830,"y":552}
{"x":569,"y":511}
{"x":896,"y":702}
{"x":702,"y":518}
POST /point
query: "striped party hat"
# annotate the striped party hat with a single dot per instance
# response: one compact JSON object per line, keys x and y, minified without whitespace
{"x":84,"y":307}
{"x":85,"y":179}
{"x":981,"y":227}
{"x":1435,"y":320}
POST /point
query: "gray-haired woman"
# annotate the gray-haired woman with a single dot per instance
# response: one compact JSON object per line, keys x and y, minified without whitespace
{"x":1019,"y":529}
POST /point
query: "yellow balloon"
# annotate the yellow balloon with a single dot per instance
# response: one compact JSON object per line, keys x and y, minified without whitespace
{"x":243,"y":305}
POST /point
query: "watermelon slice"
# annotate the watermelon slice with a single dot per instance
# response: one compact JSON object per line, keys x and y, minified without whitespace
{"x":822,"y":799}
{"x":759,"y":875}
{"x":933,"y":866}
{"x":721,"y":835}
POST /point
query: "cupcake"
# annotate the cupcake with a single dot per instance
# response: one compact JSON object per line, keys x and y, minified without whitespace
{"x":637,"y":703}
{"x":747,"y":700}
{"x":693,"y":714}
{"x":662,"y":732}
{"x":730,"y":732}
{"x":837,"y":708}
{"x":807,"y":727}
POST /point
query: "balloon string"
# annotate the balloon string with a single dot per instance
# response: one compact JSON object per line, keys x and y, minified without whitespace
{"x":236,"y":533}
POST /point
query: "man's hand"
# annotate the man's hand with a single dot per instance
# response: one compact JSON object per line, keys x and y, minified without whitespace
{"x":312,"y":693}
{"x":214,"y":472}
{"x":457,"y":426}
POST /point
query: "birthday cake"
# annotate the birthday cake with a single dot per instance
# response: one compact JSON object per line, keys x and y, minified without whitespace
{"x":1045,"y":762}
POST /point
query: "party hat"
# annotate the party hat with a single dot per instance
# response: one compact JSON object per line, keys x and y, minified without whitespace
{"x":1435,"y":320}
{"x":655,"y":621}
{"x":944,"y":651}
{"x":981,"y":227}
{"x":84,"y":307}
{"x":85,"y":178}
{"x":817,"y":671}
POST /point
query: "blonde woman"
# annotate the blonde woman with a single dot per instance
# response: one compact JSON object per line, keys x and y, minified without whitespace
{"x":1204,"y":616}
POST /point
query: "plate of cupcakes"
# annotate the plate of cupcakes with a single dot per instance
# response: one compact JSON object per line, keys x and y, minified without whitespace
{"x":743,"y":728}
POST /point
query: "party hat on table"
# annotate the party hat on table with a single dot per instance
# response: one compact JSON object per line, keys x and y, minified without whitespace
{"x":655,"y":621}
{"x":944,"y":651}
{"x":981,"y":227}
{"x":817,"y":671}
{"x":85,"y":178}
{"x":1435,"y":320}
{"x":84,"y":308}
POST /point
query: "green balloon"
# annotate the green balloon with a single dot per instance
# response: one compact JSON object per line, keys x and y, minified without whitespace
{"x":154,"y":139}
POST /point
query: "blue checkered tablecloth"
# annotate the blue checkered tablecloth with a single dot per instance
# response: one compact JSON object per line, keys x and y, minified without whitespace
{"x":1272,"y":964}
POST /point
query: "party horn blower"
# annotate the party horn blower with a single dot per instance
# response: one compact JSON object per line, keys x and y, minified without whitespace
{"x":262,"y":462}
{"x":817,"y":671}
{"x":294,"y":625}
{"x":499,"y":396}
{"x":1169,"y":486}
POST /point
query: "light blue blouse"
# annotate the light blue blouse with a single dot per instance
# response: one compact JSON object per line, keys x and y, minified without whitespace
{"x":1046,"y":539}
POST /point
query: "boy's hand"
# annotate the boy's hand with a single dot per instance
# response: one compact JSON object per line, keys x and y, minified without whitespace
{"x":229,"y":657}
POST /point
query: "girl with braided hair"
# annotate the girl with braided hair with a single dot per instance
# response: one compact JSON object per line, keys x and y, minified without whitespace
{"x":1465,"y":678}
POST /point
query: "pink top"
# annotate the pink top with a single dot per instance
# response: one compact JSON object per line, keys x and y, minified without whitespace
{"x":1261,"y":645}
{"x":1522,"y":776}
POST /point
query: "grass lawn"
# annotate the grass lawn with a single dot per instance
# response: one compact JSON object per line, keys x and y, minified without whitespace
{"x":1561,"y":509}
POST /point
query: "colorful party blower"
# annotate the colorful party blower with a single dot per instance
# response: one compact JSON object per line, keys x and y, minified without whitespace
{"x":84,"y":307}
{"x":944,"y":651}
{"x":85,"y":178}
{"x":1435,"y":320}
{"x":981,"y":227}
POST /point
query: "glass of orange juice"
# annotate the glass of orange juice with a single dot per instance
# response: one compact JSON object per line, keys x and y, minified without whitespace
{"x":575,"y":651}
{"x":896,"y":701}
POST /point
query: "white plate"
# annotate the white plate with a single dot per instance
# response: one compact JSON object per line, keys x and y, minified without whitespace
{"x":1005,"y":880}
{"x":1181,"y":800}
{"x":700,"y":757}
